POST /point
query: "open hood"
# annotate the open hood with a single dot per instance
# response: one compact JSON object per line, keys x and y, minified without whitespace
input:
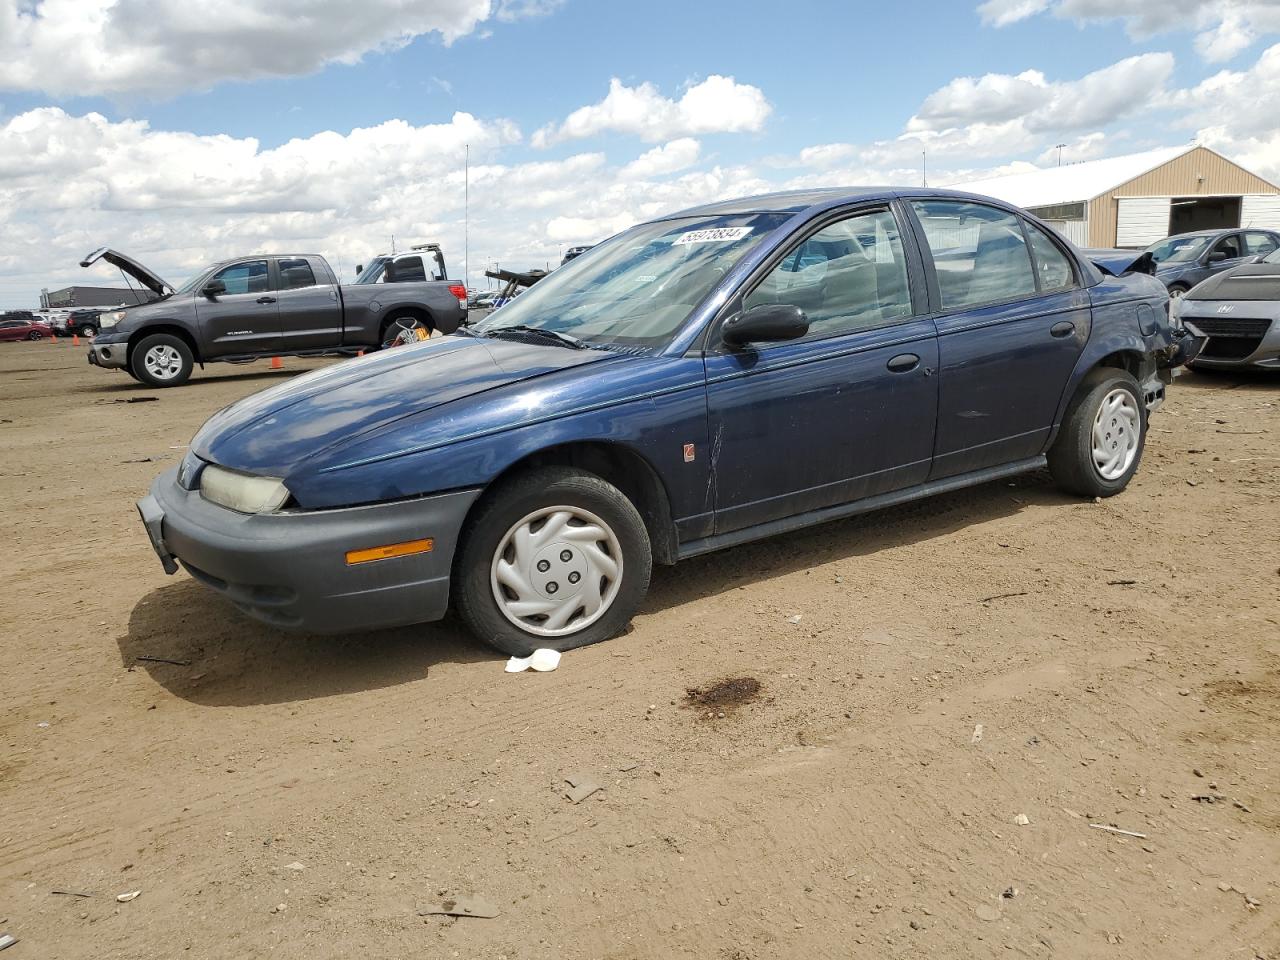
{"x":130,"y":266}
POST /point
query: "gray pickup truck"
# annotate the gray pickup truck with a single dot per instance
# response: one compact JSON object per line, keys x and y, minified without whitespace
{"x":267,"y":306}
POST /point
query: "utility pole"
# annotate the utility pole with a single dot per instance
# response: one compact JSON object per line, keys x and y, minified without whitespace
{"x":466,"y":218}
{"x":1060,"y":146}
{"x":924,"y":168}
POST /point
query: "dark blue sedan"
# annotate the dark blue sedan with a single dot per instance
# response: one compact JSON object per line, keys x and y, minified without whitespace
{"x":715,"y":376}
{"x":1184,"y":260}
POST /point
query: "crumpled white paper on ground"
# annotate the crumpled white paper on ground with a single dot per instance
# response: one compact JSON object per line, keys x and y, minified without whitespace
{"x":542,"y":660}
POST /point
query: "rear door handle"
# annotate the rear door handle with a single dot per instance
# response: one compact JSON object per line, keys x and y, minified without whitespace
{"x":266,"y":300}
{"x":903,"y":363}
{"x":1063,"y":328}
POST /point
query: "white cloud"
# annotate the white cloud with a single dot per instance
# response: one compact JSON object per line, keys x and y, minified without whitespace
{"x":164,"y":47}
{"x":716,"y":105}
{"x":1102,"y":96}
{"x":668,"y":158}
{"x":1224,"y":27}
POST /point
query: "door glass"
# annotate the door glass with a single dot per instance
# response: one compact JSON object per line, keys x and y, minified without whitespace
{"x":405,"y":270}
{"x":250,"y":277}
{"x":1230,"y":246}
{"x":1052,"y":266}
{"x":978,"y":252}
{"x":1259,"y":244}
{"x":295,"y":273}
{"x":850,"y":275}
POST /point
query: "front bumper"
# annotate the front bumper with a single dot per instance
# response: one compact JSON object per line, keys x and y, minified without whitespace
{"x":290,"y":569}
{"x":107,"y":352}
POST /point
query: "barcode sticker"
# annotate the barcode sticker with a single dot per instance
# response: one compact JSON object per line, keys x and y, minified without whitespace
{"x":714,"y":235}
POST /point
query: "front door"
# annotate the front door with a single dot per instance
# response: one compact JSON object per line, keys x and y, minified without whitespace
{"x":1012,"y":321}
{"x":244,"y":319}
{"x":310,"y":315}
{"x":845,"y":412}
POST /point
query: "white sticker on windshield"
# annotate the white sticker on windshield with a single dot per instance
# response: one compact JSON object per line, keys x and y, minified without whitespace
{"x":716,"y":235}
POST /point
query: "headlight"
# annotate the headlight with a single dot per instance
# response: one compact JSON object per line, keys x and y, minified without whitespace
{"x":242,"y":492}
{"x":108,"y":320}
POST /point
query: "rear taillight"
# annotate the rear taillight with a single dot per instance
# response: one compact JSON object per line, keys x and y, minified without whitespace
{"x":459,"y":291}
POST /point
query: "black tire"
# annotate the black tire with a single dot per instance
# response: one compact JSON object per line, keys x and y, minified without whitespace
{"x":88,"y":330}
{"x":35,"y":335}
{"x":1071,"y":458}
{"x":1178,"y":289}
{"x":138,"y":364}
{"x":505,"y":506}
{"x":394,"y":325}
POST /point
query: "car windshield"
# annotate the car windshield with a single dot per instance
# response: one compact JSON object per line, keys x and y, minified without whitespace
{"x":636,"y":289}
{"x":1178,"y":249}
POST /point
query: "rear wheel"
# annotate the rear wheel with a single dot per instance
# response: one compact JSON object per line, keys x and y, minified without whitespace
{"x":404,"y":329}
{"x":161,"y":360}
{"x":553,"y":558}
{"x":35,"y":335}
{"x":1100,"y":445}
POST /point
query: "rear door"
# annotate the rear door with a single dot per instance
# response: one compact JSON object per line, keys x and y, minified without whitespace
{"x":310,"y":313}
{"x":847,"y":411}
{"x":244,"y":319}
{"x":1012,"y":320}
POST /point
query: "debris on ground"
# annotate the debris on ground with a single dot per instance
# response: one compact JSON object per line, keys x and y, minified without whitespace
{"x":724,"y":695}
{"x":131,"y":895}
{"x":69,"y":893}
{"x":7,"y":941}
{"x":542,"y":660}
{"x":1022,"y":820}
{"x":977,"y":734}
{"x":462,"y":907}
{"x":583,"y":787}
{"x":1003,"y":596}
{"x":794,"y":618}
{"x":296,"y":866}
{"x":1127,"y":833}
{"x":176,"y":663}
{"x":985,"y":911}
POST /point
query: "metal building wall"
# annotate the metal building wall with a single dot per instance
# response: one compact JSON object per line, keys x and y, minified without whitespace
{"x":1177,"y":178}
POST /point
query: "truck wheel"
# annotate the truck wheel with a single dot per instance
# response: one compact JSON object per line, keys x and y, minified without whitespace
{"x":161,"y":360}
{"x":553,"y":558}
{"x":88,"y":330}
{"x":402,"y":330}
{"x":1098,"y":449}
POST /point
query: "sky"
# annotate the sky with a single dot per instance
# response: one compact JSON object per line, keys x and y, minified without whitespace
{"x":184,"y":133}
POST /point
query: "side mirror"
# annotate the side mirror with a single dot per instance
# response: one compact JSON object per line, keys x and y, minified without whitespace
{"x":359,"y":269}
{"x":1217,"y":256}
{"x":214,"y":289}
{"x":766,"y":323}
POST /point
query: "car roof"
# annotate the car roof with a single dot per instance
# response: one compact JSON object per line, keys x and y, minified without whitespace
{"x":796,"y":201}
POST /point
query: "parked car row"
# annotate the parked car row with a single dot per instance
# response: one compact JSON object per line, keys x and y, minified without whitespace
{"x":705,"y":379}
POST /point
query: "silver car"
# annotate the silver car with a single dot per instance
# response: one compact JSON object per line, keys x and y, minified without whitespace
{"x":1239,"y":311}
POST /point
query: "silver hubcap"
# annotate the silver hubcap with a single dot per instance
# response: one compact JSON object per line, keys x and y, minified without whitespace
{"x":162,"y":362}
{"x":556,"y":571}
{"x":1116,"y":431}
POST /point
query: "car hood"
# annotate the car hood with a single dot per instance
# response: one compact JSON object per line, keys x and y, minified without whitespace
{"x":1119,"y":262}
{"x":130,"y":266}
{"x":1249,"y":281}
{"x":274,"y":432}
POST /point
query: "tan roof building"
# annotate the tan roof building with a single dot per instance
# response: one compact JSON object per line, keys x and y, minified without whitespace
{"x":1137,"y":199}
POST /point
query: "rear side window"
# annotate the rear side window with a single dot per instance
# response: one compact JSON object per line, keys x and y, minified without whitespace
{"x":979,"y":253}
{"x":250,"y":277}
{"x":405,"y":270}
{"x":851,"y":275}
{"x":295,"y":273}
{"x":1259,"y":244}
{"x":1052,"y":266}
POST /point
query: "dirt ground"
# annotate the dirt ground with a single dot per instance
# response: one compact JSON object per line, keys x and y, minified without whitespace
{"x":946,"y":698}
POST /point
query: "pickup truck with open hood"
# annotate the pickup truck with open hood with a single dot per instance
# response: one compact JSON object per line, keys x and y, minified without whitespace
{"x":263,"y":306}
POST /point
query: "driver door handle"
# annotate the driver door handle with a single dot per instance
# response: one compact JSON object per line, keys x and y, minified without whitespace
{"x":903,"y":363}
{"x":266,"y":300}
{"x":1063,"y":328}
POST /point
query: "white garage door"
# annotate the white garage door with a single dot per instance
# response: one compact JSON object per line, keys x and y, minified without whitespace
{"x":1142,"y":221}
{"x":1260,"y":210}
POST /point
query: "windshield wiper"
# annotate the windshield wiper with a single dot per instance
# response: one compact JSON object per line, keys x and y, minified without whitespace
{"x":563,"y":339}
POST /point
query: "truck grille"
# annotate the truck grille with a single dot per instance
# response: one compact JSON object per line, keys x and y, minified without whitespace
{"x":1230,"y":338}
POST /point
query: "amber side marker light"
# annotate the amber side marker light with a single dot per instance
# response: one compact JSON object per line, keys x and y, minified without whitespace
{"x":406,"y":549}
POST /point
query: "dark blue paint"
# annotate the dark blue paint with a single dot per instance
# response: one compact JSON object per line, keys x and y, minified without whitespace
{"x":778,"y":430}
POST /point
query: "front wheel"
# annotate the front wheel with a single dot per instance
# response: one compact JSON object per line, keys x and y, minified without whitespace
{"x":1177,"y":291}
{"x":88,"y":330}
{"x":1098,"y":449}
{"x":553,"y":558}
{"x":35,"y":335}
{"x":161,"y":360}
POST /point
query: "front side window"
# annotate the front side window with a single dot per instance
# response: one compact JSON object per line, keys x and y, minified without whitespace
{"x":851,"y":275}
{"x":1259,"y":244}
{"x":979,"y":253}
{"x":295,"y":273}
{"x":1053,"y":269}
{"x":1230,"y":246}
{"x":249,"y":277}
{"x":405,"y":270}
{"x":636,"y":289}
{"x":1178,"y":249}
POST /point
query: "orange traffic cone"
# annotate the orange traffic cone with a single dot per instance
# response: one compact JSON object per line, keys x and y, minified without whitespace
{"x":53,"y":338}
{"x":75,"y":340}
{"x":277,"y":363}
{"x":359,"y":353}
